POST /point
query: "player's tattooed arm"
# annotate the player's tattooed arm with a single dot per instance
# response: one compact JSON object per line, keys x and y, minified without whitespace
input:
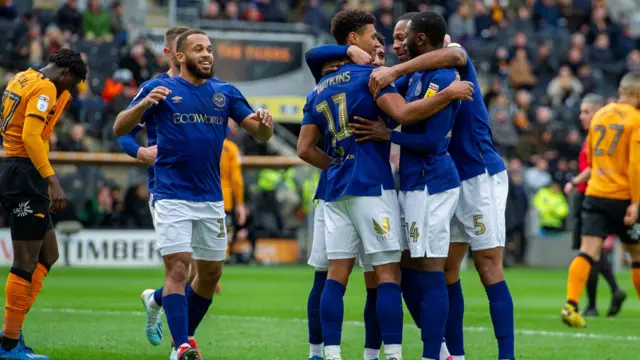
{"x":308,"y":149}
{"x":259,"y":124}
{"x":129,"y":118}
{"x":451,"y":56}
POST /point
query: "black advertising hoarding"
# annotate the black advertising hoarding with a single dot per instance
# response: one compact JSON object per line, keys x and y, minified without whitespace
{"x":255,"y":60}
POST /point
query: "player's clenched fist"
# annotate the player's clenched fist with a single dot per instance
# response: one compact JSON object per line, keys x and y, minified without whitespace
{"x":461,"y":90}
{"x":156,"y":95}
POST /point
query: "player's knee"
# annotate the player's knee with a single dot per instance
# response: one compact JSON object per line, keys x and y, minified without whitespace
{"x":210,"y":273}
{"x":591,"y":246}
{"x":177,"y":271}
{"x":488,"y":263}
{"x":340,"y":269}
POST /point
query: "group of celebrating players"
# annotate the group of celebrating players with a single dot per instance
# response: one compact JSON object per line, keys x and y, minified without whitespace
{"x":453,"y":186}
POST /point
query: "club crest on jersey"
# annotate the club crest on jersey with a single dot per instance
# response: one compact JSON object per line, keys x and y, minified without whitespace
{"x":219,"y":100}
{"x":432,"y":90}
{"x":418,"y":89}
{"x":43,"y":103}
{"x":176,"y":99}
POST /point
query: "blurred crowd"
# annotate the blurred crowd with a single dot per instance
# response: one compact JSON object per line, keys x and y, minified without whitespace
{"x":536,"y":60}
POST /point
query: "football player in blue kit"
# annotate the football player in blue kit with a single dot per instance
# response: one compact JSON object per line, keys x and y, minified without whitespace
{"x":479,"y":219}
{"x":192,"y":113}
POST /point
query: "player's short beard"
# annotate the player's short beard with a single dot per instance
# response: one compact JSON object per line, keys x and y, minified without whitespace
{"x":412,"y":50}
{"x":192,"y":66}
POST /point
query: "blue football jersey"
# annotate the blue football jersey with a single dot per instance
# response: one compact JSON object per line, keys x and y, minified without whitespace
{"x":358,"y":169}
{"x":147,"y":121}
{"x":191,"y":127}
{"x":431,"y":165}
{"x":472,"y":145}
{"x":307,"y":119}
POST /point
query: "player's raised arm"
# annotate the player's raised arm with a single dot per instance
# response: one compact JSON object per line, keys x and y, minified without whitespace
{"x":319,"y":56}
{"x":408,"y":113}
{"x":146,"y":97}
{"x":451,"y":56}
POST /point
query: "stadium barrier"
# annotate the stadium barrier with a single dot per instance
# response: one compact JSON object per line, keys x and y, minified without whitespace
{"x":136,"y":248}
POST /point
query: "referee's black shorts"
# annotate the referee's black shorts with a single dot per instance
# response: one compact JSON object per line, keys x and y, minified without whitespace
{"x":24,"y":194}
{"x":601,"y":217}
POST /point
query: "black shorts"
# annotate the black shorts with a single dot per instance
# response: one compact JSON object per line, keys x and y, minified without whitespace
{"x":24,"y":194}
{"x":601,"y":217}
{"x":577,"y":200}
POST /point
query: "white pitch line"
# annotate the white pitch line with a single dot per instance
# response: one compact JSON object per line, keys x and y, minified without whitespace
{"x":526,"y":332}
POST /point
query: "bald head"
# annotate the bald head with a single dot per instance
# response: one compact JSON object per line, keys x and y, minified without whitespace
{"x":630,"y":83}
{"x":594,"y":99}
{"x":629,"y":89}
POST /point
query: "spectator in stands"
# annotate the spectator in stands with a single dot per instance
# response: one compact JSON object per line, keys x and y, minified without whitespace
{"x":7,"y":10}
{"x":271,"y":10}
{"x":572,"y":16}
{"x":485,"y":27}
{"x":69,"y":20}
{"x":252,"y":13}
{"x":99,"y":211}
{"x":494,"y":91}
{"x":552,"y":208}
{"x":545,"y":15}
{"x":503,"y":129}
{"x":524,"y":111}
{"x":633,"y":62}
{"x":500,"y":62}
{"x":30,"y":51}
{"x":77,"y":142}
{"x":575,"y":59}
{"x":538,"y":176}
{"x":96,"y":22}
{"x":600,"y":23}
{"x":462,"y":25}
{"x":212,"y":10}
{"x":137,"y":63}
{"x":516,"y":215}
{"x":521,"y":71}
{"x":523,"y":22}
{"x":117,"y":24}
{"x":601,"y":56}
{"x":589,"y":79}
{"x":545,"y":67}
{"x":564,"y":88}
{"x":54,"y":40}
{"x":231,"y":11}
{"x":136,"y":207}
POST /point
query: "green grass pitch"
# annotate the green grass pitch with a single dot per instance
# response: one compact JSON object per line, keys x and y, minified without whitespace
{"x":261,"y":314}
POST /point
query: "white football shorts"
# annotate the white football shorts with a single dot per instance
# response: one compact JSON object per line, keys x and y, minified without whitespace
{"x":480,"y":215}
{"x":318,"y":258}
{"x":427,"y":221}
{"x":370,"y":222}
{"x":189,"y":226}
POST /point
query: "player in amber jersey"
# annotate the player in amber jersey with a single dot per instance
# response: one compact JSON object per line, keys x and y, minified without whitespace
{"x":29,"y":189}
{"x":613,"y":195}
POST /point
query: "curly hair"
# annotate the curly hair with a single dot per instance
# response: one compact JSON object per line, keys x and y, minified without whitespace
{"x":380,"y":39}
{"x":348,"y":21}
{"x":71,"y":60}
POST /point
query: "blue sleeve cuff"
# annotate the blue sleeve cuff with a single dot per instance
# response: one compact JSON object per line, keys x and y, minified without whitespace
{"x":319,"y":55}
{"x":418,"y":142}
{"x":128,"y":142}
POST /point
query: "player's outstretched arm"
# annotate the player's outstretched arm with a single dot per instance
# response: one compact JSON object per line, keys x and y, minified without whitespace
{"x":129,"y":118}
{"x":307,"y":149}
{"x":582,"y":178}
{"x":451,"y":56}
{"x":409,"y":113}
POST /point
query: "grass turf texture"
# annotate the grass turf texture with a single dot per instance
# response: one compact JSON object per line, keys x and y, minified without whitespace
{"x":261,"y":314}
